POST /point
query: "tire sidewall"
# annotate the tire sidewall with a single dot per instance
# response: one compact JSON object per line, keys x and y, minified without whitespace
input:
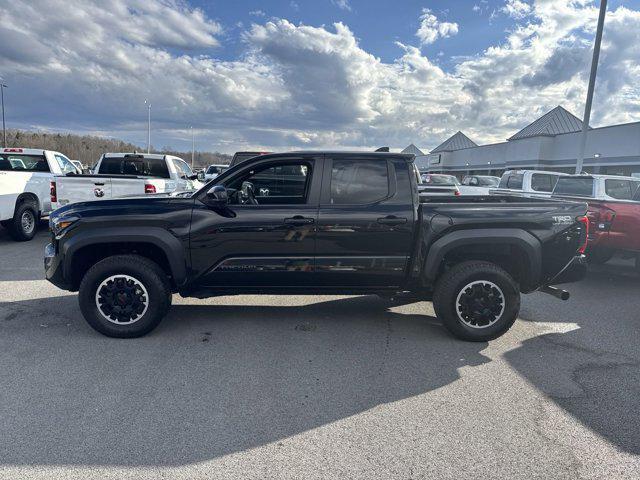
{"x":16,"y":225}
{"x":146,"y":276}
{"x":448,"y":294}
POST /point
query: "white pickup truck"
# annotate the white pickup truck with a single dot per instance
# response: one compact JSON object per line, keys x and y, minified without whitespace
{"x":535,"y":183}
{"x":25,"y":187}
{"x":125,"y":174}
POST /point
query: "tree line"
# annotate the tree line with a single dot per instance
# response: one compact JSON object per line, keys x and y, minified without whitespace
{"x":89,"y":148}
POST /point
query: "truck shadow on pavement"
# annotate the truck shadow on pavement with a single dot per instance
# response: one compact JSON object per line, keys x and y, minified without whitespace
{"x":210,"y":381}
{"x":592,"y":368}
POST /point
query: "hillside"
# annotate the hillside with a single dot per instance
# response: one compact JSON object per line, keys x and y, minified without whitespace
{"x":88,"y":148}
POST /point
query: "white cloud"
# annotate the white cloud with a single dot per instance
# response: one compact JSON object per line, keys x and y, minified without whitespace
{"x":517,"y":8}
{"x":342,"y":4}
{"x":85,"y":67}
{"x":431,"y":28}
{"x":257,"y":13}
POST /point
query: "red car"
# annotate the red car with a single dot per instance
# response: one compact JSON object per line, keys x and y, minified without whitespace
{"x":614,"y":212}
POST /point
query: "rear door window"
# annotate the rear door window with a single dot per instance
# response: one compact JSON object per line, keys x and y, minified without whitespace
{"x":542,"y":182}
{"x":20,"y":163}
{"x":619,"y":189}
{"x":579,"y":186}
{"x":359,"y":182}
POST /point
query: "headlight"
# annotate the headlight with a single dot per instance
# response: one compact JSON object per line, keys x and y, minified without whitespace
{"x":59,"y":225}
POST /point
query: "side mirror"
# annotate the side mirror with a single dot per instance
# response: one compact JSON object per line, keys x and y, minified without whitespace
{"x":200,"y":176}
{"x":193,"y":177}
{"x":217,"y":196}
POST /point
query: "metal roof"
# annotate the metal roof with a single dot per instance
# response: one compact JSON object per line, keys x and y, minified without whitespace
{"x":412,"y":149}
{"x":552,"y":123}
{"x":458,"y":141}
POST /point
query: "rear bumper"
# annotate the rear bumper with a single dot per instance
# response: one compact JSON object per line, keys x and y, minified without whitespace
{"x":53,"y":270}
{"x":574,"y":271}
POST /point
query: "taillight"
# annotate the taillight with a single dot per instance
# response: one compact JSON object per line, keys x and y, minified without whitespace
{"x":601,"y":219}
{"x":53,"y":192}
{"x":149,"y":188}
{"x":457,"y":193}
{"x":585,"y":239}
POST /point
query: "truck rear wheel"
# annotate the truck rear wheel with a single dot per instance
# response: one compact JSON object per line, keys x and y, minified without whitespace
{"x":24,"y":224}
{"x":477,"y":301}
{"x":599,"y":256}
{"x":124,"y":296}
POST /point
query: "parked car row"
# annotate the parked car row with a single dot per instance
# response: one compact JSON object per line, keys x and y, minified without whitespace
{"x":34,"y":182}
{"x":613,"y":206}
{"x":440,"y":184}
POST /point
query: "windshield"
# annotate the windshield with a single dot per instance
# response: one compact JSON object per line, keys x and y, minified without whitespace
{"x":579,"y":186}
{"x":445,"y":180}
{"x":488,"y":181}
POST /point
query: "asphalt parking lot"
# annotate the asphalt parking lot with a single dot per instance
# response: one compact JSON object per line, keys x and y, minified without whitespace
{"x":318,"y":387}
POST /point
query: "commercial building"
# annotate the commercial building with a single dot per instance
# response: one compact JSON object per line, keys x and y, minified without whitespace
{"x":549,"y":143}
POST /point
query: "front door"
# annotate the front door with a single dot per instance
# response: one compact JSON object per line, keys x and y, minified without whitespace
{"x":266,"y":236}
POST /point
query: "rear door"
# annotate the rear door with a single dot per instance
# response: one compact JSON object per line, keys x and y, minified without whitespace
{"x":365,"y":222}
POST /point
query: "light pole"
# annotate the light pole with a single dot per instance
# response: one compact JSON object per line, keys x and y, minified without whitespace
{"x":193,"y":146}
{"x":4,"y":127}
{"x":592,"y":83}
{"x":148,"y":104}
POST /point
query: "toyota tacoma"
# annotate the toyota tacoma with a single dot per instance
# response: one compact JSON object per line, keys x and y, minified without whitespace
{"x":316,"y":223}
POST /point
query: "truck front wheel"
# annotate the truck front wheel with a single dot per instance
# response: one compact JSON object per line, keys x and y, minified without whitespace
{"x":477,"y":301}
{"x":124,"y":296}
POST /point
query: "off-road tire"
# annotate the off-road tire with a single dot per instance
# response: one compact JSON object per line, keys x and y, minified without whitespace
{"x":146,"y":273}
{"x":600,"y":256}
{"x":17,"y":229}
{"x":452,"y":289}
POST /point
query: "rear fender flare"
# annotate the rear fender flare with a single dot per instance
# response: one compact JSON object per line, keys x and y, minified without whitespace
{"x":490,"y":236}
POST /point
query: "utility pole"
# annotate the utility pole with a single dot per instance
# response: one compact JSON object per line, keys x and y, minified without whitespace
{"x":592,"y":83}
{"x":148,"y":104}
{"x":4,"y":127}
{"x":193,"y":146}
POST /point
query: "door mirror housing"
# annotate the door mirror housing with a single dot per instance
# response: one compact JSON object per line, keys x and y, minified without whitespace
{"x":217,"y":196}
{"x":200,"y":176}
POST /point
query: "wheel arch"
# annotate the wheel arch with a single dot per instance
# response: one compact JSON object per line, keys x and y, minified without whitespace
{"x":86,"y":248}
{"x":515,"y":250}
{"x":27,"y":197}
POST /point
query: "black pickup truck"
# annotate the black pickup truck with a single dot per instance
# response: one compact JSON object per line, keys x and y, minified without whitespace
{"x":316,"y":223}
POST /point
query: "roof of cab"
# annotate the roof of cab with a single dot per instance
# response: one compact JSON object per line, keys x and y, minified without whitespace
{"x":342,"y":153}
{"x":25,"y":151}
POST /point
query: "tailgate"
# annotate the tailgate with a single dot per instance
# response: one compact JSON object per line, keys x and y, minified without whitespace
{"x":124,"y":187}
{"x":79,"y":188}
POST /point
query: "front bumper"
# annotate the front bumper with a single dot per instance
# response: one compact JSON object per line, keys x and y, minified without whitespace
{"x":53,"y":270}
{"x":574,"y":271}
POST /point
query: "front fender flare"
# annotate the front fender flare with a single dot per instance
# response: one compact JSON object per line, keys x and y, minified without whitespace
{"x":159,"y":237}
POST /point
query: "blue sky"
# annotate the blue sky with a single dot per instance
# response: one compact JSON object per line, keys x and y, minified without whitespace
{"x":283,"y":75}
{"x":376,"y":23}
